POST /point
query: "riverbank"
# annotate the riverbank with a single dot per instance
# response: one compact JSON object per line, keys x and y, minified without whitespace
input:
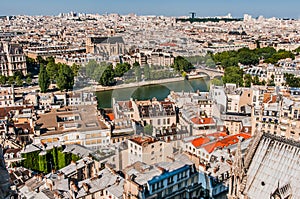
{"x":98,"y":88}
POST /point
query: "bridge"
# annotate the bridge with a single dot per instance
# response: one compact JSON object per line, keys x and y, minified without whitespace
{"x":211,"y":73}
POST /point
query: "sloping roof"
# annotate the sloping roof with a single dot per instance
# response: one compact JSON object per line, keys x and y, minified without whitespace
{"x":227,"y":141}
{"x":111,"y":116}
{"x":197,"y":120}
{"x":199,"y":141}
{"x":110,"y":40}
{"x":274,"y":164}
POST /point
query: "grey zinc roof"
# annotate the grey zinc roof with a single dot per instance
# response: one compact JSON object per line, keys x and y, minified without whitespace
{"x":106,"y":179}
{"x":77,"y":150}
{"x":72,"y":167}
{"x":117,"y":189}
{"x":275,"y":164}
{"x":110,"y":40}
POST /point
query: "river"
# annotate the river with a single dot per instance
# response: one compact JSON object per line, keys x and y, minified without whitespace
{"x":160,"y":91}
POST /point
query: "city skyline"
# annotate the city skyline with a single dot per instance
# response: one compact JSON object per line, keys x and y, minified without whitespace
{"x":237,"y":8}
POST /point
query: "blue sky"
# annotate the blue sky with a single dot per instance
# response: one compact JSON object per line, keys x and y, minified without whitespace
{"x":268,"y":8}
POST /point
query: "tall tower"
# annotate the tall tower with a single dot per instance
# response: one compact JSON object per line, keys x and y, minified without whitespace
{"x":193,"y":14}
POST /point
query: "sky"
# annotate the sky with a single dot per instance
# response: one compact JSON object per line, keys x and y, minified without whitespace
{"x":267,"y":8}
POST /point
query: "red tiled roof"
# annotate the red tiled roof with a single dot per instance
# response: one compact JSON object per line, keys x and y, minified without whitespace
{"x":200,"y":141}
{"x":227,"y":141}
{"x":269,"y":98}
{"x":204,"y":140}
{"x":143,"y":139}
{"x":197,"y":120}
{"x":111,"y":116}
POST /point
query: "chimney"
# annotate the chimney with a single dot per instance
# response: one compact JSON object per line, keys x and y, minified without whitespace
{"x":85,"y":187}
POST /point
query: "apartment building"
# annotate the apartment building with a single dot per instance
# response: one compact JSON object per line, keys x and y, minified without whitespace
{"x":148,"y":150}
{"x":78,"y":124}
{"x":7,"y":96}
{"x":12,"y":59}
{"x":177,"y":179}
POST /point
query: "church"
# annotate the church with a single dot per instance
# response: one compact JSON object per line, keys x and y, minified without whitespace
{"x":269,"y":169}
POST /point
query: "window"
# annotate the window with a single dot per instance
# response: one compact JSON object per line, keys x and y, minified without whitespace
{"x":158,"y":122}
{"x":170,"y":180}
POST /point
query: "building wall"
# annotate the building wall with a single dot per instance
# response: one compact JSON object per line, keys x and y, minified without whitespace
{"x":149,"y":153}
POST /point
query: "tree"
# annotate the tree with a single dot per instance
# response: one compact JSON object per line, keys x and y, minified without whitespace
{"x":75,"y":68}
{"x":210,"y":63}
{"x":148,"y":129}
{"x":121,"y":69}
{"x":247,"y":80}
{"x":3,"y":80}
{"x":107,"y":77}
{"x":44,"y":80}
{"x":90,"y":68}
{"x":19,"y":81}
{"x":182,"y":64}
{"x":65,"y":79}
{"x":271,"y":81}
{"x":216,"y":82}
{"x":18,"y":74}
{"x":233,"y":75}
{"x":28,"y":80}
{"x":50,"y":59}
{"x":256,"y":81}
{"x":248,"y":57}
{"x":147,"y":71}
{"x":291,"y":80}
{"x":52,"y":70}
{"x":137,"y":71}
{"x":40,"y":60}
{"x":11,"y":80}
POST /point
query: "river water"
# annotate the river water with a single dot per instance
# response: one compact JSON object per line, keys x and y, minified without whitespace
{"x":160,"y":91}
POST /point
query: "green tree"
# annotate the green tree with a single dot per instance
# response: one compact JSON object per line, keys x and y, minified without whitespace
{"x":148,"y":129}
{"x":18,"y":74}
{"x":28,"y":80}
{"x":248,"y":57}
{"x":107,"y":77}
{"x":247,"y":80}
{"x":75,"y":68}
{"x":52,"y":70}
{"x":41,"y":61}
{"x":50,"y":59}
{"x":137,"y":71}
{"x":3,"y":80}
{"x":256,"y":81}
{"x":121,"y":69}
{"x":216,"y":82}
{"x":147,"y":71}
{"x":65,"y":79}
{"x":90,"y":68}
{"x":19,"y":81}
{"x":291,"y":80}
{"x":44,"y":80}
{"x":234,"y":75}
{"x":271,"y":81}
{"x":11,"y":80}
{"x":210,"y":63}
{"x":182,"y":64}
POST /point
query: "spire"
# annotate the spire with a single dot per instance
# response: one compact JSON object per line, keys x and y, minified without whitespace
{"x":238,"y":165}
